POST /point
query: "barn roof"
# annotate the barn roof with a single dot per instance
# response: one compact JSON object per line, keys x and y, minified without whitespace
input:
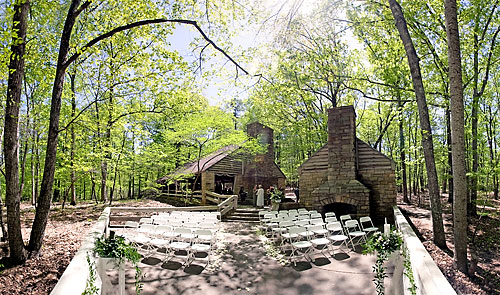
{"x":204,"y":163}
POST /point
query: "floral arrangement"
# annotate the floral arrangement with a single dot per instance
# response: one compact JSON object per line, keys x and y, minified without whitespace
{"x":116,"y":247}
{"x":383,"y":245}
{"x":276,"y":195}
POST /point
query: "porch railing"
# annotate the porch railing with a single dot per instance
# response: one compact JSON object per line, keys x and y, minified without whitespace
{"x":229,"y":204}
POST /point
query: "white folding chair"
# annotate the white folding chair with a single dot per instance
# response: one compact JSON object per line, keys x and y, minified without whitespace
{"x":304,"y":216}
{"x":273,"y":226}
{"x":317,"y":221}
{"x":301,"y":248}
{"x":329,"y":214}
{"x":261,"y":216}
{"x":145,"y":220}
{"x":169,"y":233}
{"x":182,"y":244}
{"x":369,"y":228}
{"x":283,"y":228}
{"x":318,"y":228}
{"x":319,"y":243}
{"x":131,"y":224}
{"x":202,"y":243}
{"x":147,"y":229}
{"x":354,"y":232}
{"x":290,"y":236}
{"x":303,"y":222}
{"x":331,"y":219}
{"x":142,"y":243}
{"x":315,"y":215}
{"x":157,"y":244}
{"x":336,"y":235}
{"x":344,"y":218}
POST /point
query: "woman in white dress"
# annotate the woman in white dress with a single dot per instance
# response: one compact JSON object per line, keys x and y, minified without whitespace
{"x":260,"y":197}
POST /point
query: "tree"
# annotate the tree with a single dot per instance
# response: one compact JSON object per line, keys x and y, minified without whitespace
{"x":457,"y":137}
{"x":428,"y":146}
{"x":11,"y":140}
{"x":66,"y":56}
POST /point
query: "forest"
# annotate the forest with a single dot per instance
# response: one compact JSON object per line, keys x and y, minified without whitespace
{"x":99,"y":101}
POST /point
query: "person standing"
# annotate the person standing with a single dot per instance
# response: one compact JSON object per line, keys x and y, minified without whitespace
{"x":260,"y":196}
{"x":242,"y":194}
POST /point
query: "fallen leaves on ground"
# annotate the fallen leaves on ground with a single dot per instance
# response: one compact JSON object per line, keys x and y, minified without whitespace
{"x":65,"y":231}
{"x":488,"y":256}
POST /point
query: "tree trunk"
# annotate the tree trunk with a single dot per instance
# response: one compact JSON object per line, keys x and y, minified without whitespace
{"x":44,"y":200}
{"x":457,"y":137}
{"x":25,"y":150}
{"x":33,"y":186}
{"x":93,"y":195}
{"x":2,"y":224}
{"x":116,"y":168}
{"x":471,"y":204}
{"x":11,"y":140}
{"x":104,"y":177}
{"x":450,"y":156}
{"x":492,"y":150}
{"x":428,"y":146}
{"x":402,"y":152}
{"x":72,"y":152}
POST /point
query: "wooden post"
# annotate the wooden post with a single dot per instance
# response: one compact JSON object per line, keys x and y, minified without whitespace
{"x":203,"y":188}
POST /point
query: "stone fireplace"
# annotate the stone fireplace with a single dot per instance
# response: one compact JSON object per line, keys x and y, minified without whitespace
{"x":347,"y":176}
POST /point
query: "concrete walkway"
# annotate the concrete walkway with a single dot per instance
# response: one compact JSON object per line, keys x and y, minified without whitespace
{"x":245,"y":264}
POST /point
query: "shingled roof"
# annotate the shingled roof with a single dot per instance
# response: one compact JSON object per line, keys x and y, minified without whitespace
{"x":204,"y":163}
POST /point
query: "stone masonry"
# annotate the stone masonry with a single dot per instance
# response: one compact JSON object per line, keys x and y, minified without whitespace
{"x":338,"y":174}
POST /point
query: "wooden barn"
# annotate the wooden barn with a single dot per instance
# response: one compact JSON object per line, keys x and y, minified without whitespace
{"x":346,"y":175}
{"x":225,"y":171}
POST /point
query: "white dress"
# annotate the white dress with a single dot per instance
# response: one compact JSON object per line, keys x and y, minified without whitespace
{"x":260,"y":197}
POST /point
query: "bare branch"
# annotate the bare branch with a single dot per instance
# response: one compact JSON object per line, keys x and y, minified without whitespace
{"x":119,"y":29}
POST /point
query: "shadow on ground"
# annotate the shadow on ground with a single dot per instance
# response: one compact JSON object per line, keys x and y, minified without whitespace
{"x":242,"y":264}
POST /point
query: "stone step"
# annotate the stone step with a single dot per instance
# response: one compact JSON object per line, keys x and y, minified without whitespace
{"x":251,"y":210}
{"x":244,"y":213}
{"x":240,"y":218}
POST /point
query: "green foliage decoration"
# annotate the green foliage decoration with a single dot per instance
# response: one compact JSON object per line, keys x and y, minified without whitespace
{"x":408,"y":272}
{"x":277,"y":195}
{"x":90,"y":287}
{"x":383,"y":245}
{"x":116,"y":247}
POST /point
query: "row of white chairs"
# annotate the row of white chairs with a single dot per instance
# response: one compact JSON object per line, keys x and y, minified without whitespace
{"x":365,"y":223}
{"x":190,"y":214}
{"x":212,"y":225}
{"x":186,"y":218}
{"x":307,"y":236}
{"x":304,"y":241}
{"x":269,"y":217}
{"x":176,"y":241}
{"x":292,"y":213}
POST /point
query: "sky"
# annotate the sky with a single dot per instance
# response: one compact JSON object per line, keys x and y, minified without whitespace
{"x":222,"y":88}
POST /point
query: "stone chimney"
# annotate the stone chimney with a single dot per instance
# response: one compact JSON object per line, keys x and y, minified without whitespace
{"x":342,"y":160}
{"x":264,"y":134}
{"x":341,"y":186}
